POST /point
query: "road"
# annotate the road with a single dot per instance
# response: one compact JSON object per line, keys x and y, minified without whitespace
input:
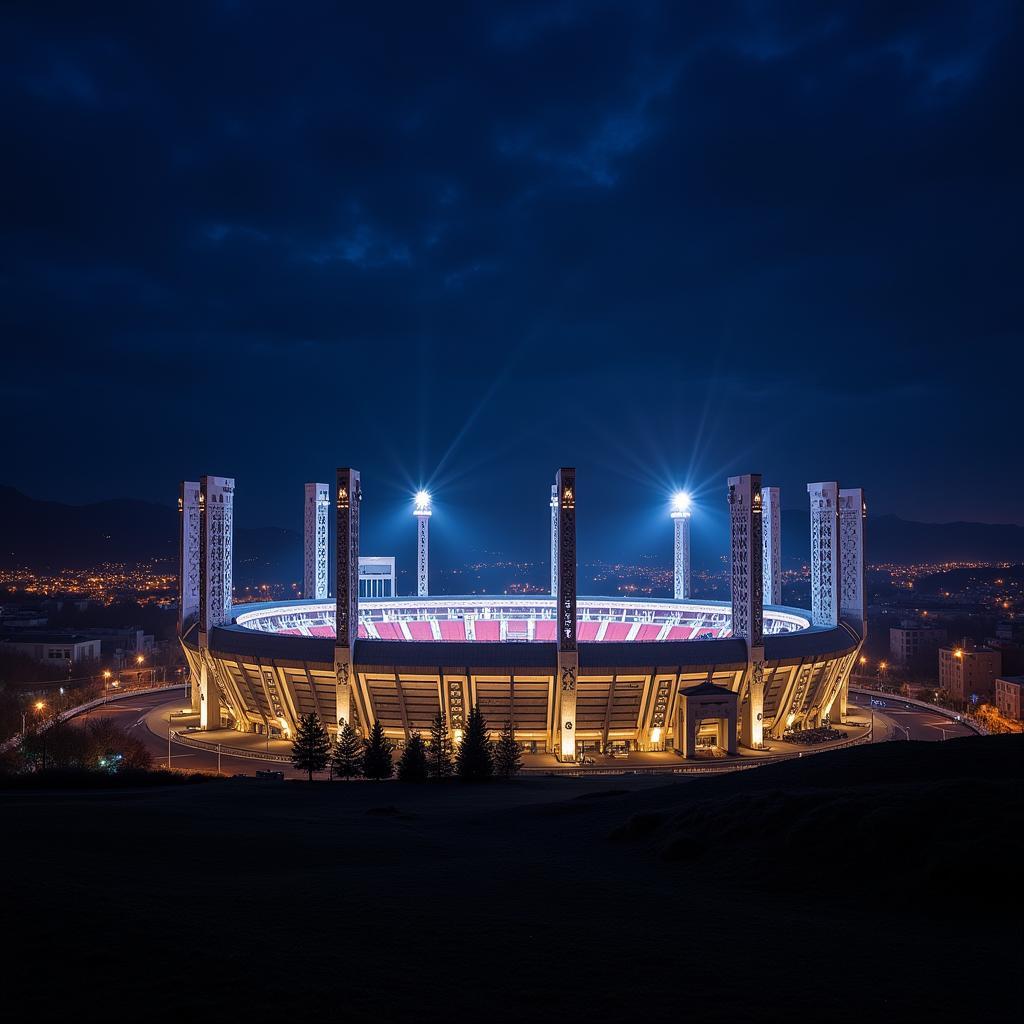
{"x":144,"y":717}
{"x":899,"y":720}
{"x":139,"y":717}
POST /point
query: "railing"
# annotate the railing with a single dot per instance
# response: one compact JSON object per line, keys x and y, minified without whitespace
{"x":695,"y":768}
{"x":107,"y":698}
{"x":253,"y":755}
{"x":953,"y":716}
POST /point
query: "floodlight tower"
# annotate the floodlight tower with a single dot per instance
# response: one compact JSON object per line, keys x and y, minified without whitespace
{"x":421,"y":510}
{"x":681,"y":505}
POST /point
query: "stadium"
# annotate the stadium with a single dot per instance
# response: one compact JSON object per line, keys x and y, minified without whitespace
{"x":573,"y":674}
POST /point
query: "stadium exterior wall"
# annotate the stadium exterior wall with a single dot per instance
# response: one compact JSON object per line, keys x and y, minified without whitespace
{"x":267,"y":681}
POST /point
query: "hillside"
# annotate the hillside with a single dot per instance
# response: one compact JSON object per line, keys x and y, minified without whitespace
{"x":824,"y":889}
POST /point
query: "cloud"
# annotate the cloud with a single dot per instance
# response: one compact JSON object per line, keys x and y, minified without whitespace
{"x":633,"y":198}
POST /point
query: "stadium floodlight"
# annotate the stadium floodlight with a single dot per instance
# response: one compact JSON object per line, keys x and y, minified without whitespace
{"x":422,"y":504}
{"x":681,"y":503}
{"x":680,"y":513}
{"x":421,"y":510}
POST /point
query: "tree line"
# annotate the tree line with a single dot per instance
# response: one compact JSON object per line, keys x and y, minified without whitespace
{"x":476,"y":758}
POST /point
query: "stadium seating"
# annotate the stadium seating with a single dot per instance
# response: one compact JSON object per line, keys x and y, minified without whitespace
{"x":487,"y":630}
{"x":420,"y":630}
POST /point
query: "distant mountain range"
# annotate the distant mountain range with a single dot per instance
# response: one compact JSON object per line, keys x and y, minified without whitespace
{"x":48,"y":535}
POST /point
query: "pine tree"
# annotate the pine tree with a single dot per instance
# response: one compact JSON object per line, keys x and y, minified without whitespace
{"x":347,"y":754}
{"x":508,"y":755}
{"x":377,"y":762}
{"x":412,"y":766}
{"x":475,"y":759}
{"x":440,"y":755}
{"x":311,"y":746}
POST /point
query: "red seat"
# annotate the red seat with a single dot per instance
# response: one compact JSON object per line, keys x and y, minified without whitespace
{"x":545,"y":630}
{"x":420,"y":631}
{"x":648,"y":631}
{"x":452,"y":629}
{"x":487,"y":630}
{"x":587,"y":630}
{"x":616,"y":631}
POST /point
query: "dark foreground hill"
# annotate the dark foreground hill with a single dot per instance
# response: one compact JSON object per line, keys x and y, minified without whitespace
{"x":879,"y":883}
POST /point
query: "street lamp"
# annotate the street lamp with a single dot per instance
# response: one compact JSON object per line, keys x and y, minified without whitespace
{"x":37,"y":707}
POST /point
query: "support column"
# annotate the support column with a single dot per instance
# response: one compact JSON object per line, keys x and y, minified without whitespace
{"x":771,"y":544}
{"x":824,"y":499}
{"x":853,"y":513}
{"x":188,"y":568}
{"x":747,"y":585}
{"x":568,"y":655}
{"x":421,"y":511}
{"x":681,"y":522}
{"x":216,"y":528}
{"x":346,"y":603}
{"x":316,"y":509}
{"x":554,"y":541}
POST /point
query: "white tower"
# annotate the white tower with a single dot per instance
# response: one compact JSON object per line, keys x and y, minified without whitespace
{"x":824,"y":499}
{"x":188,"y":568}
{"x":681,"y":519}
{"x":745,"y":562}
{"x":316,"y":509}
{"x":771,"y":544}
{"x":565,"y":610}
{"x":554,"y":540}
{"x":188,"y":554}
{"x":216,"y":529}
{"x":853,"y":512}
{"x":421,"y":510}
{"x":348,"y":495}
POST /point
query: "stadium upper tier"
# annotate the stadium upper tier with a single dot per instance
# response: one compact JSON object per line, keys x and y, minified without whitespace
{"x":510,"y":619}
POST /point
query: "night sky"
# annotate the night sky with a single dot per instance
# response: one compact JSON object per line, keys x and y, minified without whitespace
{"x":458,"y":246}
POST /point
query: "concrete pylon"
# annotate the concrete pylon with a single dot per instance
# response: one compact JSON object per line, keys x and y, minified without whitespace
{"x":568,"y":655}
{"x":348,"y":494}
{"x":747,"y":589}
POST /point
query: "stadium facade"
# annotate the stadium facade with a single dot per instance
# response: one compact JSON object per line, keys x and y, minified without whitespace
{"x":572,"y":673}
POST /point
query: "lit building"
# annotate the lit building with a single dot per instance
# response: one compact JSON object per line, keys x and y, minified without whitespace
{"x":912,"y":641}
{"x":377,"y":576}
{"x":1008,"y":690}
{"x":49,"y":648}
{"x":967,"y":671}
{"x":574,"y":673}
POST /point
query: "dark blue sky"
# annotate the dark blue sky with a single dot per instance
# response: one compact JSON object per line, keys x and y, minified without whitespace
{"x":461,"y":245}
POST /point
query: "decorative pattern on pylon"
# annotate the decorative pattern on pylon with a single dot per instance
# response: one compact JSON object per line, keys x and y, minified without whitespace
{"x":216,"y":504}
{"x":824,"y":584}
{"x":566,"y":483}
{"x":189,"y":558}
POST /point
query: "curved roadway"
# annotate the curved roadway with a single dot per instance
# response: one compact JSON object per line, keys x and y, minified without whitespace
{"x":145,"y":717}
{"x":895,"y":719}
